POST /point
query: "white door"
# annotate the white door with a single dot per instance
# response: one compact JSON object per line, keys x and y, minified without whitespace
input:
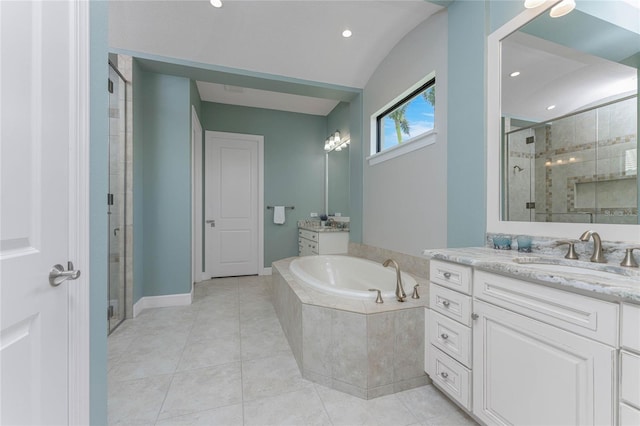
{"x":43,"y":68}
{"x":529,"y":373}
{"x":231,"y":204}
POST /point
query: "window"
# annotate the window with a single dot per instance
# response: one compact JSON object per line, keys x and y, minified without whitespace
{"x":408,"y":119}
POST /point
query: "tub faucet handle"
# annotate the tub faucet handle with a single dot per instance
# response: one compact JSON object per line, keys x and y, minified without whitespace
{"x":415,"y":294}
{"x":379,"y":296}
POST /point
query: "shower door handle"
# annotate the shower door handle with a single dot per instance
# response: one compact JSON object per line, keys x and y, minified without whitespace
{"x":115,"y":231}
{"x":212,"y":222}
{"x":58,"y":275}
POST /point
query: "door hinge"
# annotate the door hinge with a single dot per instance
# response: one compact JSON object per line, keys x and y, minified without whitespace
{"x":530,"y":205}
{"x":110,"y":85}
{"x":110,"y":312}
{"x":109,"y":199}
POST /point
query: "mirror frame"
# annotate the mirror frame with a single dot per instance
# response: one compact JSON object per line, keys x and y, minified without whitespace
{"x":495,"y":224}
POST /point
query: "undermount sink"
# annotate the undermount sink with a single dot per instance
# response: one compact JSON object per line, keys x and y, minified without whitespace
{"x":569,"y":269}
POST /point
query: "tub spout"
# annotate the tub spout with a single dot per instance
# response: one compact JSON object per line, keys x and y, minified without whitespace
{"x":400,"y":294}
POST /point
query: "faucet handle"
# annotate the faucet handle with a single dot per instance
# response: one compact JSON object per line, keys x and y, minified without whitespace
{"x":629,"y":260}
{"x":415,"y":294}
{"x":571,"y":253}
{"x":379,"y":296}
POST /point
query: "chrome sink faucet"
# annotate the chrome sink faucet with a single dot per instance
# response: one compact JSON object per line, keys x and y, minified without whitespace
{"x":598,"y":255}
{"x":400,"y":294}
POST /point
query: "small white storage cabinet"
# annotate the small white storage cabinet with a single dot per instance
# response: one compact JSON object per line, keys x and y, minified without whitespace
{"x":514,"y":352}
{"x":322,"y":242}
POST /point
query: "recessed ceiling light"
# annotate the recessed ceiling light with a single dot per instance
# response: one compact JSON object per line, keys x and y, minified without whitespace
{"x":216,"y":3}
{"x":347,"y":33}
{"x":550,"y":107}
{"x":514,"y":74}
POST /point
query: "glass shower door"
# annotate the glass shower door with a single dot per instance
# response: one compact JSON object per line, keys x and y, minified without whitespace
{"x":116,"y":199}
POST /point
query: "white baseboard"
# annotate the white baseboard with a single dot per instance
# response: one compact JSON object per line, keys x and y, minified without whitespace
{"x":161,"y":302}
{"x":265,"y":271}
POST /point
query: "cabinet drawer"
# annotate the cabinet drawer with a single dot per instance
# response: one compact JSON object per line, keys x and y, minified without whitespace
{"x":451,"y":337}
{"x":629,"y":416}
{"x":307,"y":247}
{"x":630,"y":332}
{"x":579,"y":314}
{"x":452,"y":304}
{"x":457,"y":277}
{"x":630,"y":378}
{"x":309,"y":235}
{"x":452,"y":377}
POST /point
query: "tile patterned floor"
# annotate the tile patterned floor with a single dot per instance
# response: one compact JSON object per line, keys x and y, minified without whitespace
{"x":224,"y":360}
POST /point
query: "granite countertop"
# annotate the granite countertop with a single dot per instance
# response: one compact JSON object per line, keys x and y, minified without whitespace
{"x":323,"y":228}
{"x":623,"y":286}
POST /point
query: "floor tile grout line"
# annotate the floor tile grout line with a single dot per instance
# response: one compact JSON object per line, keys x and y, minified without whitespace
{"x":324,"y":407}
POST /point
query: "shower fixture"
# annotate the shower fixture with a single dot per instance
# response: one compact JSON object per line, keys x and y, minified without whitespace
{"x":517,"y":169}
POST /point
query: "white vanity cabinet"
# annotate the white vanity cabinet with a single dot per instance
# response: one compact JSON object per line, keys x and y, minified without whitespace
{"x":321,"y":242}
{"x":629,"y":414}
{"x":528,"y":368}
{"x":516,"y":352}
{"x":448,"y":340}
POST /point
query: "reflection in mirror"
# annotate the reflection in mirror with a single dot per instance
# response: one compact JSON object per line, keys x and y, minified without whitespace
{"x":570,"y":117}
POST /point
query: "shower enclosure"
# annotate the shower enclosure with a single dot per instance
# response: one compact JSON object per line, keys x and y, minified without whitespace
{"x":579,"y":168}
{"x":116,"y":200}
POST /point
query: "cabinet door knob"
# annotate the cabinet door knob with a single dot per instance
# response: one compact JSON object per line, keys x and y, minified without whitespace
{"x":475,"y":316}
{"x":444,"y":336}
{"x":445,"y":303}
{"x":444,"y":374}
{"x":447,"y":275}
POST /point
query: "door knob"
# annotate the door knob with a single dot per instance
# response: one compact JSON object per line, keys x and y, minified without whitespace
{"x":212,"y":222}
{"x":58,"y":275}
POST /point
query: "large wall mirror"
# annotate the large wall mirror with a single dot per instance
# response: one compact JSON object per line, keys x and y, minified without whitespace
{"x":563,"y":120}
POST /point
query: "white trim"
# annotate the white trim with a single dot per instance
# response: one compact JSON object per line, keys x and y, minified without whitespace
{"x":79,"y":229}
{"x":413,"y":144}
{"x":494,"y":188}
{"x":260,"y":140}
{"x":166,"y":301}
{"x":266,"y":271}
{"x":196,"y":199}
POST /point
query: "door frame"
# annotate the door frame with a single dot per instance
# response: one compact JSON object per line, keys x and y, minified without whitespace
{"x":260,"y":213}
{"x":79,"y":225}
{"x":197,"y":198}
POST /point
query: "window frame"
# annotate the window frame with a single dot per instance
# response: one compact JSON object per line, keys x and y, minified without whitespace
{"x":403,"y":99}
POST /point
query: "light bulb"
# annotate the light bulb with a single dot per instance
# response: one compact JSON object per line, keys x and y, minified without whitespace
{"x":339,"y":148}
{"x":336,"y":136}
{"x":562,"y":8}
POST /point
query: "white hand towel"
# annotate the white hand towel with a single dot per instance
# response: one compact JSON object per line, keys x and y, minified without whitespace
{"x":278,"y":215}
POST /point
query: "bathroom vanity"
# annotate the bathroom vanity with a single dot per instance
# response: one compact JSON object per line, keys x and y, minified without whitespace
{"x":519,"y":340}
{"x":314,"y":240}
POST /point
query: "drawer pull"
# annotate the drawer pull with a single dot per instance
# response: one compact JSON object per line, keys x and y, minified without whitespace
{"x":444,"y":374}
{"x":445,"y":303}
{"x":447,"y":275}
{"x":444,"y":336}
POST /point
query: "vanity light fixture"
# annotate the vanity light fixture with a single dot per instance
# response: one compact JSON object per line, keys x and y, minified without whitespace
{"x":216,"y":3}
{"x":514,"y":74}
{"x":347,"y":33}
{"x":335,"y":142}
{"x":532,"y":4}
{"x":562,"y":8}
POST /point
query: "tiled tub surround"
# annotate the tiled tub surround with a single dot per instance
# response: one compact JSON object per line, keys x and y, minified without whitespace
{"x":358,"y":347}
{"x":625,"y":287}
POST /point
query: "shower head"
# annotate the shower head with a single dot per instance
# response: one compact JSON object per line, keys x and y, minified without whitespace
{"x":517,"y":169}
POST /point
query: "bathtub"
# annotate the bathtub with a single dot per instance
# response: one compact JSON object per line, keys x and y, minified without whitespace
{"x":349,"y":276}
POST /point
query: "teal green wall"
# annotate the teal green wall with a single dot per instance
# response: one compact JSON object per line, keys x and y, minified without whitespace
{"x":162,"y":205}
{"x":356,"y":162}
{"x":466,"y":198}
{"x":98,"y":183}
{"x":338,"y":119}
{"x":293,"y":165}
